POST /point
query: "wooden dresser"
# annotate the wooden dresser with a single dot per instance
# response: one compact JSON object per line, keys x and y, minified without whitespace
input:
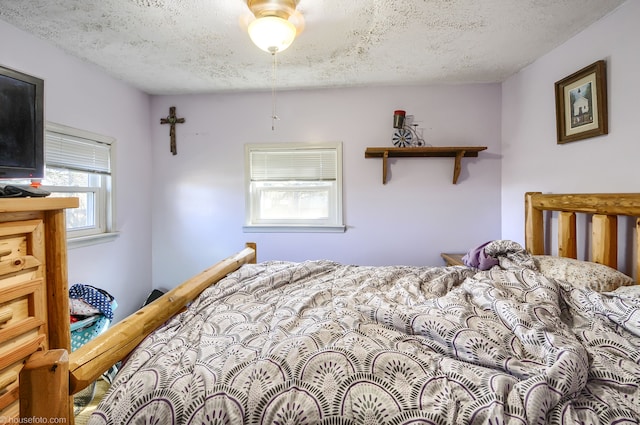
{"x":33,"y":261}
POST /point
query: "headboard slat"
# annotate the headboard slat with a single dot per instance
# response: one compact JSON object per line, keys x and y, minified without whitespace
{"x":567,"y":242}
{"x":604,"y":244}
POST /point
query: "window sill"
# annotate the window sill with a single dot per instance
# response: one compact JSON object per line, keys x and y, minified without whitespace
{"x":83,"y":241}
{"x":293,"y":229}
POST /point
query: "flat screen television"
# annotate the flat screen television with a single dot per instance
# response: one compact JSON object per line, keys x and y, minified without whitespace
{"x":21,"y":125}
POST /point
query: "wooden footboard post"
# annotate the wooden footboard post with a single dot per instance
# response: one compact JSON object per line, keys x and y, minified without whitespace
{"x":534,"y":226}
{"x":44,"y":389}
{"x":57,"y":283}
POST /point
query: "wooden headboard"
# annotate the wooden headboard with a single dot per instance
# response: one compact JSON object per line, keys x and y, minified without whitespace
{"x":603,"y":210}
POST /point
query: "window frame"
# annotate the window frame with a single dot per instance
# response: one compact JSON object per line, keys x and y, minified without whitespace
{"x":334,"y":224}
{"x":104,"y":193}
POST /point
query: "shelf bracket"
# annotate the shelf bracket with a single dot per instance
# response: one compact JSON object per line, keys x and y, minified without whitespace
{"x":385,"y":157}
{"x":457,"y":166}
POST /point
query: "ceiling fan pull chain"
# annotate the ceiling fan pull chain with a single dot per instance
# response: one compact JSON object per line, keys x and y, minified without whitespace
{"x":274,"y":116}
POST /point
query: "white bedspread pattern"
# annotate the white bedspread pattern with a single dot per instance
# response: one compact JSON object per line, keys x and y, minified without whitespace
{"x":323,"y":343}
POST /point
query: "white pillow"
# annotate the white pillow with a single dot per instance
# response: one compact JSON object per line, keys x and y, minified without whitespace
{"x":580,"y":273}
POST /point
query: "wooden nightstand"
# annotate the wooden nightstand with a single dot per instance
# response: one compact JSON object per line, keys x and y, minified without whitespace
{"x":452,"y":259}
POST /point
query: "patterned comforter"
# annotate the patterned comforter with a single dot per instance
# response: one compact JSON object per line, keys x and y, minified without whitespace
{"x":323,"y":343}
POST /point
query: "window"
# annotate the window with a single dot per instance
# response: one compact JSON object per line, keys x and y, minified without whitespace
{"x":294,"y":187}
{"x":78,"y":164}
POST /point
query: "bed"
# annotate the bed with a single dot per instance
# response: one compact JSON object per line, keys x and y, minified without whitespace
{"x":533,"y":339}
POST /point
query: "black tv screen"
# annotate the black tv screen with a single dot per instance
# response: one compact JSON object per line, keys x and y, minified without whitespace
{"x":21,"y":125}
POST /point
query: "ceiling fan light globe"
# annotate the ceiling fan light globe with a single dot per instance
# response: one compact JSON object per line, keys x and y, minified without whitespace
{"x":271,"y":33}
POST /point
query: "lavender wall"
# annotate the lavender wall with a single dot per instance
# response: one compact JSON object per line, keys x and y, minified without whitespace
{"x":198,"y":204}
{"x":189,"y":209}
{"x":533,"y":161}
{"x":81,"y":96}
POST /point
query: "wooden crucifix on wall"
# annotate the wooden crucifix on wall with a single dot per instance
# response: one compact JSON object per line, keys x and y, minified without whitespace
{"x":173,"y":120}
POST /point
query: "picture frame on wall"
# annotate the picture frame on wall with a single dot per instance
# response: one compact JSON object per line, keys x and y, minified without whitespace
{"x":581,"y":104}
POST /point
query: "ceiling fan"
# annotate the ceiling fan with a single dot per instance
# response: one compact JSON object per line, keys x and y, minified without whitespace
{"x":273,"y":27}
{"x":275,"y":24}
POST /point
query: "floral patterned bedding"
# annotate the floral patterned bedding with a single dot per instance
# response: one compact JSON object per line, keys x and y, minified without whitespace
{"x":323,"y":343}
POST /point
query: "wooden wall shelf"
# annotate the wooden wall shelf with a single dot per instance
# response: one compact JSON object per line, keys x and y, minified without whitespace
{"x":456,"y":152}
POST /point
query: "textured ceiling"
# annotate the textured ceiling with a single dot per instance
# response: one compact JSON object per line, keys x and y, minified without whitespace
{"x":201,"y":46}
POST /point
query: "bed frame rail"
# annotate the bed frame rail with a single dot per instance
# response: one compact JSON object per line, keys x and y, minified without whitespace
{"x":604,"y":209}
{"x":46,"y":388}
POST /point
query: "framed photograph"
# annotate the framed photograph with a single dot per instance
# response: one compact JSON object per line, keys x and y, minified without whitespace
{"x":581,"y":104}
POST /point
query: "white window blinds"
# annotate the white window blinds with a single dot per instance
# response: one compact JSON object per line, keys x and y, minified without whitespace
{"x":76,"y":153}
{"x":293,"y":164}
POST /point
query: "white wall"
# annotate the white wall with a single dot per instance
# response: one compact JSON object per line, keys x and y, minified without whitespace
{"x":532,"y":160}
{"x":81,"y":96}
{"x":198,"y":204}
